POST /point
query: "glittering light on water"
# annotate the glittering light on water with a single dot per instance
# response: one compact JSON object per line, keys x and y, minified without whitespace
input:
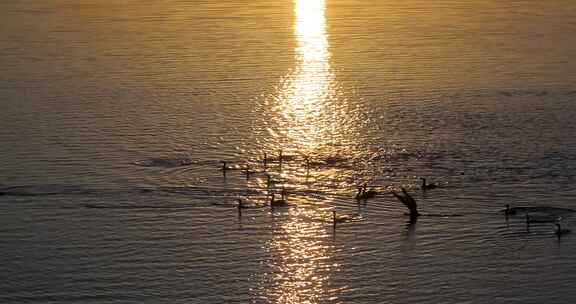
{"x":300,"y":259}
{"x":305,"y":93}
{"x":299,"y":263}
{"x":310,"y":30}
{"x":310,"y":115}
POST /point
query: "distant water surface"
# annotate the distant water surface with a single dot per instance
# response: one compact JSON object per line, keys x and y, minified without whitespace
{"x":117,"y":115}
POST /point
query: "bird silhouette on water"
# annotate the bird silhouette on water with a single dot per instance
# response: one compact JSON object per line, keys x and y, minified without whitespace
{"x":365,"y":193}
{"x":561,"y":231}
{"x":509,"y":210}
{"x":240,"y":206}
{"x":408,"y":201}
{"x":278,"y":202}
{"x":426,"y":186}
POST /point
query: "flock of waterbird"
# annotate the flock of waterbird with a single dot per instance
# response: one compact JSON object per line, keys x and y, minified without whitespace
{"x":532,"y":214}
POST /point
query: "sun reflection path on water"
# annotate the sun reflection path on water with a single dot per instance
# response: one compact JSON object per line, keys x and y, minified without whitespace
{"x":306,"y":117}
{"x":300,"y":259}
{"x":309,"y":114}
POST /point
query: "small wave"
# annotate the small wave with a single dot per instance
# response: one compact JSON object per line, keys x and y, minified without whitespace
{"x":207,"y":191}
{"x":105,"y":206}
{"x":442,"y":214}
{"x":44,"y":190}
{"x":79,"y":190}
{"x":543,"y":210}
{"x":165,"y":162}
{"x":513,"y":93}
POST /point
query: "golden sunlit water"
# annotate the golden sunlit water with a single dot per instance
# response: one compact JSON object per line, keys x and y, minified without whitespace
{"x":307,"y":92}
{"x":300,"y":249}
{"x":300,"y":260}
{"x":141,"y":143}
{"x":307,"y":117}
{"x":310,"y":108}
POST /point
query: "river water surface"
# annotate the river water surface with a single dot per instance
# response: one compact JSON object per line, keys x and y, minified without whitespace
{"x":117,"y":115}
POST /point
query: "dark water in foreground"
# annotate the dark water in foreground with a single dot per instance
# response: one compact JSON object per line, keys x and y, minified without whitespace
{"x":116,"y":116}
